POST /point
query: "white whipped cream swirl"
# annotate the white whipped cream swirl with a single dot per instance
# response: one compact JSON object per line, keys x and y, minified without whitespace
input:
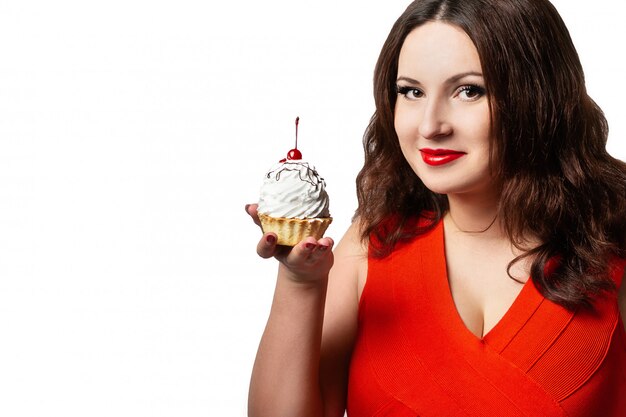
{"x":294,"y":189}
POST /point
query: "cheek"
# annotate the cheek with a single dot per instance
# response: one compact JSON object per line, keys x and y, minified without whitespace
{"x":476,"y":129}
{"x":405,"y":124}
{"x":482,"y":133}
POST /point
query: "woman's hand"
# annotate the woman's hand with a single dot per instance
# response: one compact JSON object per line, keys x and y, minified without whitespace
{"x":307,"y":262}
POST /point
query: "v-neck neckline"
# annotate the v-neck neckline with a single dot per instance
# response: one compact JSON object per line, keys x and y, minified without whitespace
{"x":520,"y":310}
{"x":420,"y":353}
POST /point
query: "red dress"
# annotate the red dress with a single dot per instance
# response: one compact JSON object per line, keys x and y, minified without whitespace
{"x":414,"y":356}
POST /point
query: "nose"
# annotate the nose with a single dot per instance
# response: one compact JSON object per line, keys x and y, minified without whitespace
{"x":434,"y":123}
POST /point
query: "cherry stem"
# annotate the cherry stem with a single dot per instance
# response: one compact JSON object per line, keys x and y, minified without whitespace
{"x":297,"y":121}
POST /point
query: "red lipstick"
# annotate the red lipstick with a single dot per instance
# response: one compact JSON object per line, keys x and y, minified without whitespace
{"x":436,"y":157}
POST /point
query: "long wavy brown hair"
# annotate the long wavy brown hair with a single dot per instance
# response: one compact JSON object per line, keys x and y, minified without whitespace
{"x":556,"y":180}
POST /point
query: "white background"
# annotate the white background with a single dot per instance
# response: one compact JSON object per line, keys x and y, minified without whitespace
{"x":132,"y":133}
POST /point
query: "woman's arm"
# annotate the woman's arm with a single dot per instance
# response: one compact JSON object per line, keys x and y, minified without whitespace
{"x":301,"y":364}
{"x":285,"y":379}
{"x":340,"y":323}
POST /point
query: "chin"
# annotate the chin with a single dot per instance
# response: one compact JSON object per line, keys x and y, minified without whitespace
{"x":438,"y":186}
{"x":455,"y":185}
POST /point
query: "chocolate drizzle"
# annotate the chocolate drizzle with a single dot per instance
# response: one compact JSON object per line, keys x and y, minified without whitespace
{"x":310,"y":175}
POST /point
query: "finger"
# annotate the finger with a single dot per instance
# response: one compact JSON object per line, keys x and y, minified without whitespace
{"x":310,"y":246}
{"x":266,"y":248}
{"x":302,"y":251}
{"x":251,"y":209}
{"x":325,"y":244}
{"x":322,"y":249}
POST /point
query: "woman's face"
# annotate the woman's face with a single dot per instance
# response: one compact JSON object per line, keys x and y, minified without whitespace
{"x":442,"y":114}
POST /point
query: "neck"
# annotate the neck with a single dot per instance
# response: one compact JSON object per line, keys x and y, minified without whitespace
{"x":474,"y":214}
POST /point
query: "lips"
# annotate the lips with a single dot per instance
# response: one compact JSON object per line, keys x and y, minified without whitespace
{"x":436,"y":157}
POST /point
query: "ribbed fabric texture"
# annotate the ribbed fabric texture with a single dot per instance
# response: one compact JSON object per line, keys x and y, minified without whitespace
{"x":414,"y":356}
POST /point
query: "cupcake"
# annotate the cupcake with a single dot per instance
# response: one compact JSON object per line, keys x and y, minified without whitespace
{"x":293,"y":201}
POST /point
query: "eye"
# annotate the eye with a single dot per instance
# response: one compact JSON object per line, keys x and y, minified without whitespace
{"x":410,"y":93}
{"x":470,"y":92}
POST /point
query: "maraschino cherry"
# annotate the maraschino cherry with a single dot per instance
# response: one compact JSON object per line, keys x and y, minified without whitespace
{"x":294,"y":154}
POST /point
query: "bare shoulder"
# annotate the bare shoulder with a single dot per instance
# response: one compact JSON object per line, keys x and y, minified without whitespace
{"x":340,"y":319}
{"x":351,"y":254}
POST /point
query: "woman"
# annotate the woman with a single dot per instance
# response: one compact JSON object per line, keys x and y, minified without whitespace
{"x":485,"y":165}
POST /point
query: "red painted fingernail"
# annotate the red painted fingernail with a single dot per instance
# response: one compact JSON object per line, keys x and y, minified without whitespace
{"x":309,"y":246}
{"x":271,"y":239}
{"x":323,"y":248}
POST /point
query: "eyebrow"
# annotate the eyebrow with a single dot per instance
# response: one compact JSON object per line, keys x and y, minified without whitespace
{"x":450,"y":80}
